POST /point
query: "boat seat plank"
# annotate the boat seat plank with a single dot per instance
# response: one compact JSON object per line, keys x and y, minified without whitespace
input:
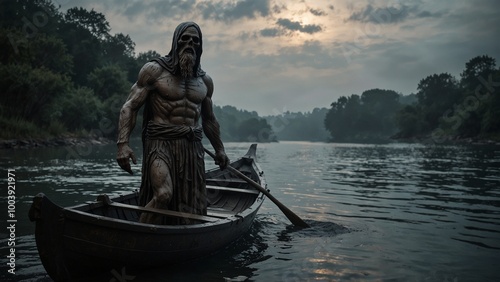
{"x":203,"y":218}
{"x":220,"y":188}
{"x":166,"y":212}
{"x":219,"y":214}
{"x":228,"y":180}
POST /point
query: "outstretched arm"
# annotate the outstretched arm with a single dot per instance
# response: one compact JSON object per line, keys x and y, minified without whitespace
{"x":128,"y":114}
{"x":211,"y":125}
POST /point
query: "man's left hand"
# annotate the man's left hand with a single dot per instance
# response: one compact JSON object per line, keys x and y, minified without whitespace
{"x":221,"y":159}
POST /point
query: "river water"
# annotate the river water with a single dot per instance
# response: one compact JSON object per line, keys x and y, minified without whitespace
{"x":397,"y":212}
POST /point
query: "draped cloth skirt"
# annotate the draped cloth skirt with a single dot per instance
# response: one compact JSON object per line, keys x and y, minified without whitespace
{"x":180,"y":148}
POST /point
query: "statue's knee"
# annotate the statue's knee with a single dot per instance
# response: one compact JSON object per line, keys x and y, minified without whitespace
{"x":163,"y":198}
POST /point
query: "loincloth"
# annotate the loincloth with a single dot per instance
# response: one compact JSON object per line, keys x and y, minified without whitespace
{"x":158,"y":131}
{"x":180,"y":148}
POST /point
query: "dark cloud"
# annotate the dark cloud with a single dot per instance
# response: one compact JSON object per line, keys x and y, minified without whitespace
{"x":271,"y":32}
{"x":157,"y":9}
{"x":317,"y":12}
{"x":286,"y":27}
{"x":428,"y":14}
{"x":221,"y":11}
{"x":390,"y":14}
{"x":278,"y":9}
{"x":297,"y":26}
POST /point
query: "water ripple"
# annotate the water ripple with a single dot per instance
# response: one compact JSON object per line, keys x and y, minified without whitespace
{"x":396,"y":212}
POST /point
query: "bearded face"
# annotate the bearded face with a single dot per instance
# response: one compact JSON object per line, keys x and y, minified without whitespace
{"x":186,"y":64}
{"x":187,"y":46}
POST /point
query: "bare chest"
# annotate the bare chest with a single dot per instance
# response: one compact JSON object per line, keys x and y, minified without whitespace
{"x":172,"y":88}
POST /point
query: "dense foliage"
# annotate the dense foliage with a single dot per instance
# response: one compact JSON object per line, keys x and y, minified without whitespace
{"x":445,"y":108}
{"x":448,"y":108}
{"x":365,"y":118}
{"x":61,"y":72}
{"x":300,"y":126}
{"x":243,"y":126}
{"x":66,"y":73}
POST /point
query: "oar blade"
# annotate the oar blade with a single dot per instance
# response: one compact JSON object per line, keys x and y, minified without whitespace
{"x":295,"y":219}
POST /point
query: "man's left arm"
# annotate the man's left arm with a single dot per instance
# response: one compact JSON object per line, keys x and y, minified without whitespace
{"x":211,"y":125}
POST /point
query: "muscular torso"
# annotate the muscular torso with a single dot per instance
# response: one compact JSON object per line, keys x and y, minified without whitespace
{"x":173,"y":99}
{"x":177,"y":100}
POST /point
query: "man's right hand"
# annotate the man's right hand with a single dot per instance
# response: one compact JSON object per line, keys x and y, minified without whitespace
{"x":124,"y":154}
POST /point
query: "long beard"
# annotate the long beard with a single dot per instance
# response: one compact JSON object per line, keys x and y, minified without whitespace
{"x":186,"y":64}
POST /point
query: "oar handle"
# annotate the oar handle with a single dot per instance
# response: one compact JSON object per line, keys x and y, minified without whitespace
{"x":209,"y":153}
{"x":295,"y":219}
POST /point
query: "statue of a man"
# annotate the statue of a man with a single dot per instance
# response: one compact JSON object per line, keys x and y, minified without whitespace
{"x":176,"y":93}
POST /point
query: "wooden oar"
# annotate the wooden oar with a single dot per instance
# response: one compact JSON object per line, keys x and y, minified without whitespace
{"x":295,"y":219}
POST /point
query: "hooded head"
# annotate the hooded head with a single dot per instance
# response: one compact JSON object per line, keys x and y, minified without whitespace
{"x":171,"y":61}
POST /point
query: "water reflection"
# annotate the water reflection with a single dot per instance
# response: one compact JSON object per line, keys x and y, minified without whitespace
{"x":233,"y":263}
{"x":454,"y":189}
{"x":401,"y":212}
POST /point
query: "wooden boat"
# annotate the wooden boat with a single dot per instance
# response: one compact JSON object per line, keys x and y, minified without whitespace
{"x":105,"y":235}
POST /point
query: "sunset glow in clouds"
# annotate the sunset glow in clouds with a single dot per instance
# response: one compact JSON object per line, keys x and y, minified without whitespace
{"x":271,"y":55}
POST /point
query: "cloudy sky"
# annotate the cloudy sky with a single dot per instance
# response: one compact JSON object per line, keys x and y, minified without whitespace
{"x":272,"y":56}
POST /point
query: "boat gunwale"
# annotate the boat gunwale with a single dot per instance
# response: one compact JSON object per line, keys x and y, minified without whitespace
{"x":72,"y":213}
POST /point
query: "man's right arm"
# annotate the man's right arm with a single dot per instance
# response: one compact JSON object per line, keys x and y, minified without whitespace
{"x":128,"y":113}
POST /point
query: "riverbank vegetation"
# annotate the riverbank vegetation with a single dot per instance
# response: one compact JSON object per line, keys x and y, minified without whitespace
{"x":443,"y":109}
{"x":66,"y":74}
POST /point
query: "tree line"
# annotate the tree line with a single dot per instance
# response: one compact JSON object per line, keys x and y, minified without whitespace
{"x":298,"y":126}
{"x":244,"y":126}
{"x":443,"y":108}
{"x":66,"y":73}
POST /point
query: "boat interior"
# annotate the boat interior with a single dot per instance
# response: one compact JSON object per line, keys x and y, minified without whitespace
{"x":226,"y":193}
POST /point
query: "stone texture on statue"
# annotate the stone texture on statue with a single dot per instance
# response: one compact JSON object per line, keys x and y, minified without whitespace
{"x":176,"y":94}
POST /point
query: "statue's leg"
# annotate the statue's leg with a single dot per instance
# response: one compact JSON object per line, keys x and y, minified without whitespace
{"x":161,"y":183}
